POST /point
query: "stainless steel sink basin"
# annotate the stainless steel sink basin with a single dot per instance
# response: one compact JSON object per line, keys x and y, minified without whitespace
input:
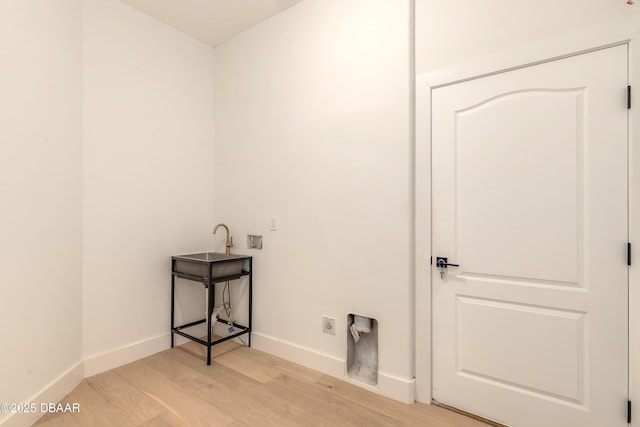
{"x":207,"y":256}
{"x":209,"y":264}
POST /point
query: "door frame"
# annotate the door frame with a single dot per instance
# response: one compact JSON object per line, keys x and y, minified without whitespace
{"x":556,"y":48}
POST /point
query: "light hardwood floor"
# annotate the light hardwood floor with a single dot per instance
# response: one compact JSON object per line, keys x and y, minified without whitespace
{"x":242,"y":387}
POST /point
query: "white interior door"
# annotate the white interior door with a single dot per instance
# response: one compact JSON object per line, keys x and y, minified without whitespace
{"x":530,"y":199}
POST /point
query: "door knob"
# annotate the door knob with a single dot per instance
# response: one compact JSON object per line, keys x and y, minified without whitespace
{"x":441,"y":262}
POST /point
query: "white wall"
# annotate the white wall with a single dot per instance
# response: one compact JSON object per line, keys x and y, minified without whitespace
{"x":40,"y":187}
{"x":312,"y":126}
{"x":454,"y":32}
{"x":107,"y":128}
{"x":148,"y":176}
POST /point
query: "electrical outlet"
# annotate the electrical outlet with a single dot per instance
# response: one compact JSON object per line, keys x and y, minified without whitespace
{"x":328,"y":325}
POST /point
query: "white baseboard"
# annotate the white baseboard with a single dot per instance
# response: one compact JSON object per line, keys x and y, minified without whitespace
{"x":388,"y":385}
{"x":397,"y":388}
{"x":52,"y":393}
{"x":111,"y":359}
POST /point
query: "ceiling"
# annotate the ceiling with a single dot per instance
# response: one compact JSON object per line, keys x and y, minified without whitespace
{"x":211,"y":21}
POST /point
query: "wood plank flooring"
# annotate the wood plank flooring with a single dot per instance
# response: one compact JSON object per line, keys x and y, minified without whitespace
{"x":243,"y":387}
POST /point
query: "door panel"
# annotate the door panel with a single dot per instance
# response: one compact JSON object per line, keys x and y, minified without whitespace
{"x":530,"y":198}
{"x":519,"y":365}
{"x":542,"y":208}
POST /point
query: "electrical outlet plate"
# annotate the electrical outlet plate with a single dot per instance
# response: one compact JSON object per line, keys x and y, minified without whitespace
{"x":328,"y":325}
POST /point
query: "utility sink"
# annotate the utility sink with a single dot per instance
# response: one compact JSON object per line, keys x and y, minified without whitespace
{"x":208,"y":264}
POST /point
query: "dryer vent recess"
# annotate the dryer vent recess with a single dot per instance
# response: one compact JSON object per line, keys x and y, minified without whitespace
{"x":362,"y":349}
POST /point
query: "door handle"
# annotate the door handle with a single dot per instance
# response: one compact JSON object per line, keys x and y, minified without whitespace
{"x":441,"y":262}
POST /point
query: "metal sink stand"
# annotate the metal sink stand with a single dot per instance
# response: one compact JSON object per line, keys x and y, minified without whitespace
{"x":209,"y":283}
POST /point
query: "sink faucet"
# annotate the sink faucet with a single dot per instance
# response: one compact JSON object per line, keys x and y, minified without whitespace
{"x":229,"y":239}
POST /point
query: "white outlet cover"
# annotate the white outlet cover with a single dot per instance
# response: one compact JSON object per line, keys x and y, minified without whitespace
{"x":328,"y":325}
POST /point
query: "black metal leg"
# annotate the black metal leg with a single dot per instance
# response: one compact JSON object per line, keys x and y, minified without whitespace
{"x":250,"y":301}
{"x":212,"y":291}
{"x":173,"y":288}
